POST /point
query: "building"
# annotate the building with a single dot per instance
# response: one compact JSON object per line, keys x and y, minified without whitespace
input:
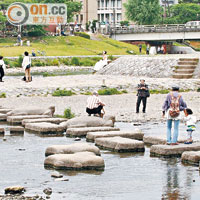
{"x":107,"y":10}
{"x":88,"y":12}
{"x":166,"y":3}
{"x":102,"y":10}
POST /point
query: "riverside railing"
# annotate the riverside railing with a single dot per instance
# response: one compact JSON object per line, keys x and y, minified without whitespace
{"x":154,"y":29}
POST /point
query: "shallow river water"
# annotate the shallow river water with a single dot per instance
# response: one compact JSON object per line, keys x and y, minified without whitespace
{"x":126,"y":175}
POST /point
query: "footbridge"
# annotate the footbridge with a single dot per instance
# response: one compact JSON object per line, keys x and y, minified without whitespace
{"x":155,"y":33}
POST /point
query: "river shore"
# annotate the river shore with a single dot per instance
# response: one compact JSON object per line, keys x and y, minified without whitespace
{"x":121,"y":106}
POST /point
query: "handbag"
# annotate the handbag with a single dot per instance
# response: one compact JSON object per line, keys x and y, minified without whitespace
{"x":148,"y":93}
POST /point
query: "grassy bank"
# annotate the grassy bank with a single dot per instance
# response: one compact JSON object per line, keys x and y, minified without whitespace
{"x":67,"y":46}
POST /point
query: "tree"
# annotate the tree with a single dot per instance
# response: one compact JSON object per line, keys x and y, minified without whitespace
{"x":73,"y":7}
{"x":182,"y":13}
{"x":143,"y":11}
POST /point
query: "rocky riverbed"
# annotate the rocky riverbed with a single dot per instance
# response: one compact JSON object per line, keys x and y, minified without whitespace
{"x":121,"y":106}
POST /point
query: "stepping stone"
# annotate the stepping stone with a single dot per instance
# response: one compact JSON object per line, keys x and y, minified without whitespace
{"x":3,"y":117}
{"x":120,"y":144}
{"x":136,"y":134}
{"x":173,"y":150}
{"x":51,"y":120}
{"x":158,"y":139}
{"x":191,"y":157}
{"x":71,"y":148}
{"x":2,"y":131}
{"x":19,"y":119}
{"x":45,"y":128}
{"x":17,"y":130}
{"x":74,"y":132}
{"x":4,"y":110}
{"x":76,"y":161}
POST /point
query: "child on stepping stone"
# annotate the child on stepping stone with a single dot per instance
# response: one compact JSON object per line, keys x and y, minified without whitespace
{"x":190,"y":122}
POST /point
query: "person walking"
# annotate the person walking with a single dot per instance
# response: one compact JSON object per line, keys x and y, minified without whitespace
{"x":143,"y":93}
{"x":2,"y":68}
{"x":26,"y":64}
{"x":147,"y":49}
{"x":172,"y":107}
{"x":95,"y":105}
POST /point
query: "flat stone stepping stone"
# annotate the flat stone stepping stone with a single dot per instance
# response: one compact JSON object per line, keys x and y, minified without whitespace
{"x":19,"y":119}
{"x":158,"y":139}
{"x":77,"y":132}
{"x":135,"y":134}
{"x":71,"y":148}
{"x":120,"y":144}
{"x":173,"y":150}
{"x":2,"y":131}
{"x":76,"y":161}
{"x":3,"y":117}
{"x":4,"y":110}
{"x":17,"y":130}
{"x":191,"y":157}
{"x":51,"y":120}
{"x":45,"y":128}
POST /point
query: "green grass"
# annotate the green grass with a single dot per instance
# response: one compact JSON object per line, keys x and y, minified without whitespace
{"x":3,"y":95}
{"x":67,"y":46}
{"x":62,"y":93}
{"x":109,"y":91}
{"x":67,"y":114}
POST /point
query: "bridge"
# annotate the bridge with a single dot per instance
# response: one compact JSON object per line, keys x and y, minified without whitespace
{"x":169,"y":32}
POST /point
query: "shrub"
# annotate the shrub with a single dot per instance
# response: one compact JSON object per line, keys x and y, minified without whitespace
{"x":87,"y":62}
{"x":82,"y":34}
{"x":124,"y":91}
{"x":159,"y":91}
{"x":3,"y":95}
{"x":55,"y":62}
{"x":37,"y":63}
{"x":124,"y":23}
{"x":198,"y":90}
{"x":108,"y":91}
{"x":48,"y":62}
{"x":68,"y":113}
{"x":58,"y":93}
{"x":111,"y":57}
{"x":66,"y":61}
{"x":75,"y":61}
{"x":87,"y":93}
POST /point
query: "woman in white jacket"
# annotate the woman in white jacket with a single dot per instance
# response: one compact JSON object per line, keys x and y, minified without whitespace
{"x":26,"y":64}
{"x":2,"y":68}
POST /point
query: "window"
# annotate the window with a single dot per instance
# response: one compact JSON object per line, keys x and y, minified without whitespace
{"x":119,"y":4}
{"x":99,"y":4}
{"x":81,"y":20}
{"x":119,"y":17}
{"x":107,"y":4}
{"x":102,"y":3}
{"x":102,"y":17}
{"x":112,"y":3}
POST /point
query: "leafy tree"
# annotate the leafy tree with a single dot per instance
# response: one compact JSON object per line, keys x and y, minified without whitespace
{"x":143,"y":11}
{"x":73,"y":7}
{"x":182,"y":13}
{"x":2,"y":23}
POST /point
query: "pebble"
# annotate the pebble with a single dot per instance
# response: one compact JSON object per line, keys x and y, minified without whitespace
{"x":56,"y":175}
{"x":61,"y":179}
{"x":47,"y":191}
{"x":77,"y":139}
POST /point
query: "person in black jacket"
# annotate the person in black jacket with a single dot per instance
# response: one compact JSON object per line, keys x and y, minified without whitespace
{"x":143,"y":93}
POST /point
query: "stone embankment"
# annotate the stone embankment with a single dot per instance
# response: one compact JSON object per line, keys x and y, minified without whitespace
{"x":148,"y":66}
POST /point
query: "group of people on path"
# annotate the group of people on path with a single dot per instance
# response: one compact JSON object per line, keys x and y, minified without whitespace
{"x":172,"y":108}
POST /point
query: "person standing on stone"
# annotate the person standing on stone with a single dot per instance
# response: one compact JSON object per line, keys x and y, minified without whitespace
{"x":143,"y":93}
{"x":172,"y":107}
{"x":26,"y":64}
{"x":2,"y":68}
{"x":95,"y":105}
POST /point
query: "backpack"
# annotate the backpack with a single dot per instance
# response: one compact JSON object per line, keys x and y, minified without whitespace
{"x":174,"y":110}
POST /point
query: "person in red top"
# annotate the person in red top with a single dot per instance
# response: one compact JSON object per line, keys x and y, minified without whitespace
{"x":94,"y":105}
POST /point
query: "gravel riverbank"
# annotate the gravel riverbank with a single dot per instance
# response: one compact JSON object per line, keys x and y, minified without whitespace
{"x":122,"y":106}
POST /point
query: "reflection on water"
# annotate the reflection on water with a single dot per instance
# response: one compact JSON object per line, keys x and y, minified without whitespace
{"x":126,"y":175}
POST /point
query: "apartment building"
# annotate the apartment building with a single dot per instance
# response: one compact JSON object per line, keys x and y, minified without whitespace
{"x":107,"y":10}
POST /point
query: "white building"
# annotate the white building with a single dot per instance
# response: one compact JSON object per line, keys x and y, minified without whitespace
{"x":168,"y":2}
